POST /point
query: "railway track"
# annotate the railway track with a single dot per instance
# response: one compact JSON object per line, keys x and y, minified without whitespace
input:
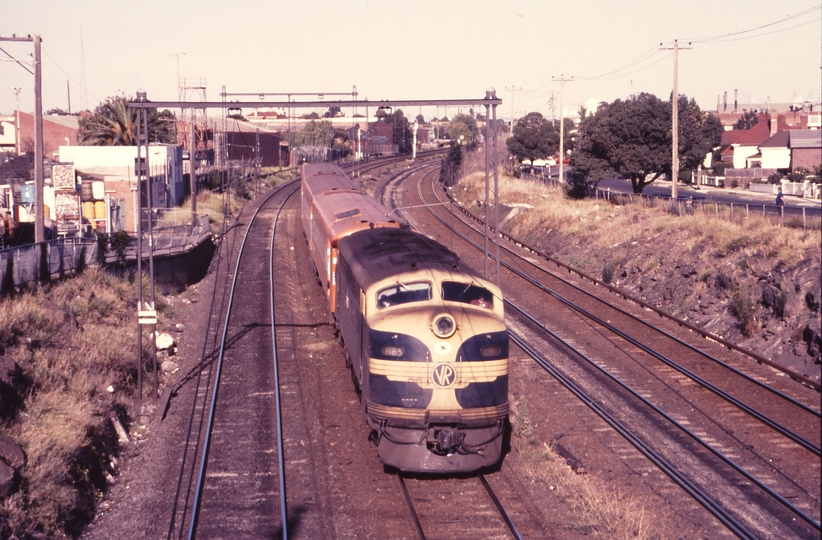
{"x":479,"y":514}
{"x":331,"y":481}
{"x":748,"y":444}
{"x":238,"y":451}
{"x":239,"y":477}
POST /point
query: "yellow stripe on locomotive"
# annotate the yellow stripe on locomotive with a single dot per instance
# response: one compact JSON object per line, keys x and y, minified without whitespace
{"x":424,"y":373}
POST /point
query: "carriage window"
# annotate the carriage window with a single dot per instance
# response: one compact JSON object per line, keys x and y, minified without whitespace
{"x":467,"y":293}
{"x":403,"y":293}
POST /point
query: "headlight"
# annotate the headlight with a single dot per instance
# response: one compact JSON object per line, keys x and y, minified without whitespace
{"x":487,"y":351}
{"x":444,"y":326}
{"x":391,"y":350}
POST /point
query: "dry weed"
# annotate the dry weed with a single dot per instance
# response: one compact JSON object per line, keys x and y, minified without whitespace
{"x":604,"y":511}
{"x":604,"y":227}
{"x":62,"y":423}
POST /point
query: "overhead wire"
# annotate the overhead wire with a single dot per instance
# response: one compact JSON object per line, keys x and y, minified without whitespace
{"x":716,"y":40}
{"x":83,"y":88}
{"x":725,"y":37}
{"x":13,"y":59}
{"x":734,"y":36}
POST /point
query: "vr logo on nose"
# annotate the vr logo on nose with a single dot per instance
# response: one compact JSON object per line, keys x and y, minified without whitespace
{"x":444,"y":375}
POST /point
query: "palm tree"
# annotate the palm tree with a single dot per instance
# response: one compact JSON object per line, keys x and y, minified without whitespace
{"x":114,"y":123}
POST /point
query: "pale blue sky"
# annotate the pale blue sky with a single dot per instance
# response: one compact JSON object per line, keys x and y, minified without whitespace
{"x":426,"y":49}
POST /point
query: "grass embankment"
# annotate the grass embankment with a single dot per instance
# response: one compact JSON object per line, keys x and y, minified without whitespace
{"x":605,"y":227}
{"x":75,"y":346}
{"x":642,"y":248}
{"x":701,"y":267}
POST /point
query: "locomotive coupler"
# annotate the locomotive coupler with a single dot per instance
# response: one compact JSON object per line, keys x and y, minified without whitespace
{"x":446,"y":440}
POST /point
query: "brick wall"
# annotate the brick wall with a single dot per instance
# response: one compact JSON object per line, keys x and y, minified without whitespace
{"x":121,"y":189}
{"x":806,"y":157}
{"x":54,"y":134}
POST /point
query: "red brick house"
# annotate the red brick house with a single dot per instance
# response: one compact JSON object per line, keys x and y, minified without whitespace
{"x":806,"y":149}
{"x":380,"y":139}
{"x":57,"y":131}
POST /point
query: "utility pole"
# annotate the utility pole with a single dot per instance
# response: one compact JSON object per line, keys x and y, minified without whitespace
{"x":192,"y":165}
{"x":562,"y":80}
{"x":675,"y":121}
{"x":17,"y":91}
{"x":513,"y":89}
{"x":39,"y":218}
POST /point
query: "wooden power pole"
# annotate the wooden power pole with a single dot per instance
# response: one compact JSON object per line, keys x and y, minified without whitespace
{"x":675,"y":122}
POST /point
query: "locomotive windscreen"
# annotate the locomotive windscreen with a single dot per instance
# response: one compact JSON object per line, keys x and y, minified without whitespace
{"x":404,"y":293}
{"x":467,"y":293}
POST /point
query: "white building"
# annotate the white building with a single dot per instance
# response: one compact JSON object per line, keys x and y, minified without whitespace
{"x":165,"y":166}
{"x":7,"y":134}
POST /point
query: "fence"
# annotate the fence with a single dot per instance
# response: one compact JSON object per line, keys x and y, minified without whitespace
{"x":736,"y":212}
{"x":743,"y":177}
{"x":26,"y":264}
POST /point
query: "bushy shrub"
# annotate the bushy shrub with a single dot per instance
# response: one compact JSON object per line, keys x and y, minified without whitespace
{"x":744,"y":309}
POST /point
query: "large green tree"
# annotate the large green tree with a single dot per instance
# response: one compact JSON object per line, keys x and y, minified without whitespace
{"x":533,"y":137}
{"x":633,"y":138}
{"x":114,"y":123}
{"x":748,"y":120}
{"x":315,"y":133}
{"x":462,"y":125}
{"x":699,"y":133}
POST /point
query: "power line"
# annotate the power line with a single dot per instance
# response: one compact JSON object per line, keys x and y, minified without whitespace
{"x":721,"y":38}
{"x":17,"y":61}
{"x":729,"y":39}
{"x":647,"y":54}
{"x":82,"y":87}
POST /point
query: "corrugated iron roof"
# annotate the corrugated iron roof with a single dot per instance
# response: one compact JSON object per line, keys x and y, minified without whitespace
{"x":806,"y":138}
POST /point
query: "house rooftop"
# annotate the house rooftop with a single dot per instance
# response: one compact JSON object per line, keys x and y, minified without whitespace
{"x":806,"y":138}
{"x":759,"y":133}
{"x":779,"y":140}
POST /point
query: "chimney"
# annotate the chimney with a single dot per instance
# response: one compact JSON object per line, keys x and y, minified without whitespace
{"x":774,"y":120}
{"x":725,"y":102}
{"x":717,"y":103}
{"x":736,"y":94}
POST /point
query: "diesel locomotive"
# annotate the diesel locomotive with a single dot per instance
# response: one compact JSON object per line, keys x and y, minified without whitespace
{"x":424,"y":333}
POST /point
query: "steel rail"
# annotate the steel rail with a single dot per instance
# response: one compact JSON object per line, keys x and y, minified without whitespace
{"x":700,"y":496}
{"x":704,"y":333}
{"x":500,"y":508}
{"x":277,"y":398}
{"x":210,"y":422}
{"x":718,"y":454}
{"x":193,"y":412}
{"x":414,"y":517}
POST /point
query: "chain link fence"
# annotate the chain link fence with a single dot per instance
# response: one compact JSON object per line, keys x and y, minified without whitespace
{"x":30,"y":263}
